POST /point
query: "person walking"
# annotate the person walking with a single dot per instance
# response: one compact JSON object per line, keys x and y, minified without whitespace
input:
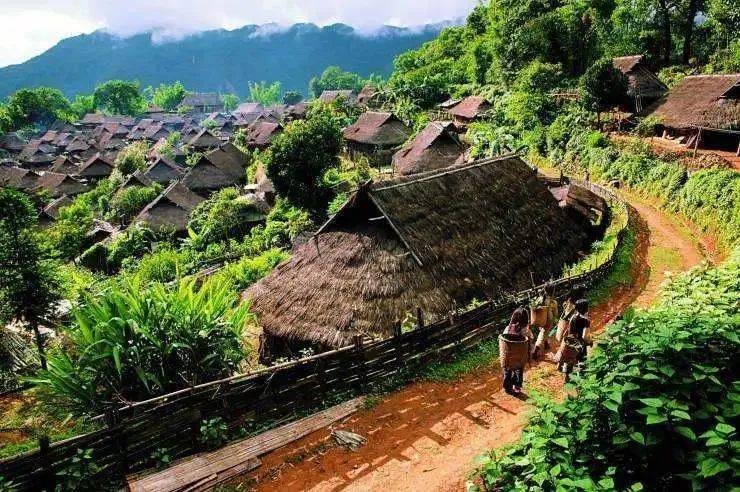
{"x":578,"y":335}
{"x":518,"y":325}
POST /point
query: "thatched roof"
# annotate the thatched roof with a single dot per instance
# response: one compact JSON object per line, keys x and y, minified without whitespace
{"x":435,"y":147}
{"x":470,"y":108}
{"x":64,"y":165}
{"x":701,"y":100}
{"x":200,"y":99}
{"x":164,"y":170}
{"x":222,"y":167}
{"x":204,"y":139}
{"x":249,"y":108}
{"x":329,"y":97}
{"x":57,"y":184}
{"x":100,"y":118}
{"x":642,"y":81}
{"x":11,"y":141}
{"x":430,"y":240}
{"x":52,"y":209}
{"x":366,"y":94}
{"x":17,"y":177}
{"x":261,"y":133}
{"x":37,"y":152}
{"x":97,"y":166}
{"x":380,"y":129}
{"x":170,"y":209}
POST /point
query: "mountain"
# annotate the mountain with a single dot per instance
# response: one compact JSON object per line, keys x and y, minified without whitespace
{"x":216,"y":60}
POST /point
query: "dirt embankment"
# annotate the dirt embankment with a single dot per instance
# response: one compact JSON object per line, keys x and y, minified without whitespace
{"x":426,"y":436}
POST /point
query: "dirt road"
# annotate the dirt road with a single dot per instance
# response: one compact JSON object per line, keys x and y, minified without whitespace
{"x":426,"y":436}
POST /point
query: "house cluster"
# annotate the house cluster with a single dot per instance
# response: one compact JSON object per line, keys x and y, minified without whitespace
{"x":192,"y":155}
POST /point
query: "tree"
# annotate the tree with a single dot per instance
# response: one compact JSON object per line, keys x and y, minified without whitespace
{"x":39,"y":106}
{"x":83,"y":105}
{"x":334,"y":78}
{"x":29,"y":284}
{"x":603,"y":86}
{"x":292,"y":97}
{"x":132,"y":157}
{"x":267,"y":95}
{"x":129,"y":201}
{"x":119,"y":97}
{"x":231,"y":101}
{"x":226,"y":214}
{"x":299,"y":157}
{"x":168,"y":97}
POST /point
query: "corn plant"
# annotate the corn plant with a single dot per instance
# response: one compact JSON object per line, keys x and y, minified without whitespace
{"x":138,"y":340}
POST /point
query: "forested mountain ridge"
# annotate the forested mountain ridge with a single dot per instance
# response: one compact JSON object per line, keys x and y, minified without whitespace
{"x":217,"y":60}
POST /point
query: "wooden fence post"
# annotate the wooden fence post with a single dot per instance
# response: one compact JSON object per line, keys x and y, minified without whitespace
{"x":118,"y":434}
{"x":397,"y":342}
{"x":361,"y":384}
{"x":48,"y":479}
{"x":419,"y":318}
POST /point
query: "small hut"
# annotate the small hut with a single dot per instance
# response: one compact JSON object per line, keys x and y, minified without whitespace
{"x":57,"y":184}
{"x":96,"y":167}
{"x":50,"y":213}
{"x":437,"y":146}
{"x":202,"y":102}
{"x":171,"y":209}
{"x":469,"y":110}
{"x":222,"y":167}
{"x":376,"y":136}
{"x":366,"y":94}
{"x":349,"y":96}
{"x":64,"y":165}
{"x":261,"y":133}
{"x":204,"y":140}
{"x":644,"y":86}
{"x":702,"y":111}
{"x":431,"y":241}
{"x":164,"y":170}
{"x":18,"y":178}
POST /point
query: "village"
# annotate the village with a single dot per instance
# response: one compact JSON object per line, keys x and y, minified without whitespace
{"x":426,"y":281}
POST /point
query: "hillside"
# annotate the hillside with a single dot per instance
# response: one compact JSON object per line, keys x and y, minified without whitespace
{"x":216,"y":60}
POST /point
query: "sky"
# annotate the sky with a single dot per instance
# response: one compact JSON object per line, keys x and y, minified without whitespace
{"x":29,"y":27}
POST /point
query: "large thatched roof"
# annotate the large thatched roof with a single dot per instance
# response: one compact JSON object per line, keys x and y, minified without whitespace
{"x":435,"y":147}
{"x":380,"y":129}
{"x":171,"y":209}
{"x":642,"y":81}
{"x":701,"y":100}
{"x":429,"y":240}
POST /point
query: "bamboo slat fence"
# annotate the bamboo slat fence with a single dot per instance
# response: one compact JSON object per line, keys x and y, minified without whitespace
{"x":277,"y":394}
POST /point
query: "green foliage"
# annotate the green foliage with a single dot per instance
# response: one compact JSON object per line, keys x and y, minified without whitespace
{"x":336,"y":203}
{"x":134,"y":242}
{"x":299,"y":157}
{"x":132,"y":157}
{"x":247,"y":271}
{"x":135,"y":341}
{"x":78,"y":474}
{"x":654,"y":407}
{"x":128,"y":201}
{"x":231,"y":101}
{"x":82,"y":105}
{"x":264,"y":93}
{"x":119,"y":97}
{"x":334,"y":78}
{"x":226,"y":214}
{"x":292,"y":97}
{"x":165,"y":264}
{"x":647,"y":126}
{"x":603,"y":86}
{"x":213,"y":432}
{"x":167,"y":97}
{"x":39,"y":106}
{"x":161,"y":458}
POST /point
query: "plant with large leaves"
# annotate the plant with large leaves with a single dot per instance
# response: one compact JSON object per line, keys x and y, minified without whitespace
{"x":136,"y":341}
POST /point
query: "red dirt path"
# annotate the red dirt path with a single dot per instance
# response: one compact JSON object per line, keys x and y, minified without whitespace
{"x":426,"y":436}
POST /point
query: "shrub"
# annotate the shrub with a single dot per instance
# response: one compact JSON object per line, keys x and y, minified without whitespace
{"x":655,"y":407}
{"x":163,"y":265}
{"x":647,"y":126}
{"x":132,"y":157}
{"x":247,"y":271}
{"x":135,"y":341}
{"x":127,"y":202}
{"x":132,"y":243}
{"x":336,"y":203}
{"x":95,"y":258}
{"x":227,"y":214}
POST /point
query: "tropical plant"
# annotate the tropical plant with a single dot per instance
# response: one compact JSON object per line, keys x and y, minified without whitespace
{"x":137,"y":340}
{"x":128,"y":201}
{"x":38,"y":106}
{"x":119,"y":97}
{"x":231,"y":101}
{"x":132,"y":157}
{"x":264,"y":93}
{"x":77,"y":475}
{"x":292,"y":97}
{"x":213,"y":432}
{"x":334,"y":78}
{"x":167,"y":97}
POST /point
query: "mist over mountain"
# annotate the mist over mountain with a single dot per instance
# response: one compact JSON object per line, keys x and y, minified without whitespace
{"x":217,"y":60}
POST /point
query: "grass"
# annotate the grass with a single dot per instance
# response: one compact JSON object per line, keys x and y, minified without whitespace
{"x":601,"y":250}
{"x":621,"y":273}
{"x":470,"y":361}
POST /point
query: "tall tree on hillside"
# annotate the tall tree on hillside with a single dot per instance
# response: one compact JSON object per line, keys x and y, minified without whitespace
{"x":29,"y":285}
{"x":167,"y":96}
{"x":292,"y":97}
{"x":83,"y":105}
{"x":264,"y":93}
{"x":603,"y":86}
{"x":299,"y":157}
{"x":334,"y":78}
{"x":119,"y":97}
{"x":231,"y":101}
{"x":38,"y":106}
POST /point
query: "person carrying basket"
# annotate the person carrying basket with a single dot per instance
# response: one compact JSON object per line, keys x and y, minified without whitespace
{"x":514,"y":345}
{"x":573,"y":349}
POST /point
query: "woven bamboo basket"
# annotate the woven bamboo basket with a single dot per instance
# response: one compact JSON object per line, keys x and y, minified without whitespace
{"x":513,"y":351}
{"x":538,"y":315}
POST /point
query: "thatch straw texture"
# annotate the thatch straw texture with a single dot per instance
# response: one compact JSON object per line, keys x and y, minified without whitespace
{"x":429,"y":241}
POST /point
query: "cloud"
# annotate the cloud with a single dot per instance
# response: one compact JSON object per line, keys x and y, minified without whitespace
{"x":28,"y":27}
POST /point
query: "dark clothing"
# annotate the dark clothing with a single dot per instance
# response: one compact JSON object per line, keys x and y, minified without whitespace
{"x":578,"y":326}
{"x":513,"y":377}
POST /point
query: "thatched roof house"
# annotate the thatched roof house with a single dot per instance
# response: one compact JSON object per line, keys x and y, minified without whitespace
{"x":57,"y":184}
{"x":203,"y":102}
{"x":12,"y":142}
{"x":348,"y":95}
{"x":50,"y":213}
{"x":261,"y":133}
{"x":171,"y":209}
{"x":644,"y":85}
{"x":469,"y":109}
{"x":163,"y":170}
{"x":703,"y":108}
{"x":437,"y":146}
{"x":17,"y":177}
{"x":432,"y":240}
{"x":37,"y":153}
{"x":204,"y":139}
{"x":64,"y":165}
{"x":366,"y":94}
{"x":222,"y":167}
{"x":96,"y":167}
{"x":376,"y":135}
